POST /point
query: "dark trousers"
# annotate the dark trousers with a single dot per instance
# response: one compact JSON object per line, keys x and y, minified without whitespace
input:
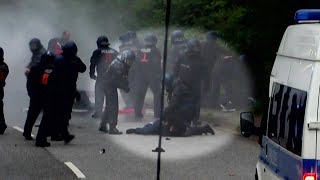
{"x":55,"y":118}
{"x":35,"y":107}
{"x":2,"y":119}
{"x":141,"y":91}
{"x":149,"y":129}
{"x":110,"y":114}
{"x":99,"y":96}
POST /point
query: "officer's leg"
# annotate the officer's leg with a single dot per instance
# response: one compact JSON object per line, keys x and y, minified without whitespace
{"x":197,"y":109}
{"x":35,"y":108}
{"x":65,"y":115}
{"x":43,"y":131}
{"x":140,"y":94}
{"x":113,"y":108}
{"x":99,"y":98}
{"x":156,"y":90}
{"x":104,"y":117}
{"x":3,"y":125}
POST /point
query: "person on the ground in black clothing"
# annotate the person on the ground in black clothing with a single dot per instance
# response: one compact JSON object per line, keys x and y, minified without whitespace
{"x":4,"y":71}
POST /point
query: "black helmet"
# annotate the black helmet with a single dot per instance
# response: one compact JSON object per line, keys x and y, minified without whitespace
{"x":35,"y":44}
{"x":177,"y":37}
{"x":70,"y":49}
{"x":1,"y":54}
{"x":132,"y":34}
{"x":102,"y":41}
{"x":128,"y":57}
{"x":193,"y":46}
{"x":212,"y":36}
{"x":151,"y":39}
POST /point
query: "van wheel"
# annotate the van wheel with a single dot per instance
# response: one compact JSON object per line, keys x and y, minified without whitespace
{"x":256,"y":175}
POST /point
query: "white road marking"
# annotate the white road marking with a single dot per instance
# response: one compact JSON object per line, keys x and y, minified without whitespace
{"x":75,"y":170}
{"x":21,"y":130}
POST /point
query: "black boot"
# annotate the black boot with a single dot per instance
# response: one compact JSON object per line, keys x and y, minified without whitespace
{"x":27,"y":137}
{"x":96,"y":115}
{"x":103,"y":129}
{"x":131,"y":131}
{"x":68,"y":138}
{"x":3,"y":129}
{"x":208,"y":130}
{"x":115,"y":131}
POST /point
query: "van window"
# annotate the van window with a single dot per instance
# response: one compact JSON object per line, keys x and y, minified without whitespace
{"x":286,"y":117}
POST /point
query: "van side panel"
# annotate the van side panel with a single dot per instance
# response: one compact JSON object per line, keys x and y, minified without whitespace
{"x":279,"y":162}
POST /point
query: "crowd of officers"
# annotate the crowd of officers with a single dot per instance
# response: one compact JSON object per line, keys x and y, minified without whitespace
{"x":52,"y":84}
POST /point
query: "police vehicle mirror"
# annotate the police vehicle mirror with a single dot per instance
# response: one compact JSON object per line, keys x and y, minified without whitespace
{"x":247,"y":127}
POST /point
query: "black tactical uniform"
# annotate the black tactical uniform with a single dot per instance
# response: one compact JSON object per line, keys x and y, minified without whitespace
{"x":148,"y":74}
{"x":100,"y":60}
{"x":129,"y":41}
{"x":116,"y":77}
{"x":33,"y":88}
{"x":191,"y":68}
{"x":4,"y":71}
{"x":60,"y":94}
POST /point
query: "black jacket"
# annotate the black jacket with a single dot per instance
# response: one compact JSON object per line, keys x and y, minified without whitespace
{"x":148,"y":63}
{"x":35,"y":81}
{"x":4,"y":71}
{"x":101,"y":59}
{"x":36,"y":57}
{"x":191,"y":69}
{"x":117,"y":75}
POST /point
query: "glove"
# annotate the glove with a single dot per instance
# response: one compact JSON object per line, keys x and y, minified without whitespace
{"x":27,"y":72}
{"x":92,"y":76}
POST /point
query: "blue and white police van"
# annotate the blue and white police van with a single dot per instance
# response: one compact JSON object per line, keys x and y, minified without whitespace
{"x":290,"y":145}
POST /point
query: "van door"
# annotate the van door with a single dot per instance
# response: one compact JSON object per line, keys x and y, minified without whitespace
{"x":282,"y":145}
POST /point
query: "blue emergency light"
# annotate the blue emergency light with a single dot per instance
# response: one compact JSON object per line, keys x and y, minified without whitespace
{"x":307,"y":16}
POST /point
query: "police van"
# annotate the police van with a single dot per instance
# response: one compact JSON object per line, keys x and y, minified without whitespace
{"x":290,"y":144}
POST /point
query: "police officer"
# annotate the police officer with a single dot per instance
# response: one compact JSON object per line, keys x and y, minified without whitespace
{"x":75,"y":66}
{"x":129,"y":41}
{"x":178,"y":41}
{"x":100,"y":60}
{"x":4,"y":71}
{"x":210,"y":52}
{"x":37,"y":50}
{"x":148,"y":75}
{"x":178,"y":114}
{"x":61,"y":89}
{"x":116,"y":77}
{"x":191,"y":68}
{"x":36,"y":98}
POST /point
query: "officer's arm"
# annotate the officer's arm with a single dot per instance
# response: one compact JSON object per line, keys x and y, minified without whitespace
{"x":81,"y":66}
{"x":174,"y":100}
{"x":93,"y":62}
{"x":6,"y":70}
